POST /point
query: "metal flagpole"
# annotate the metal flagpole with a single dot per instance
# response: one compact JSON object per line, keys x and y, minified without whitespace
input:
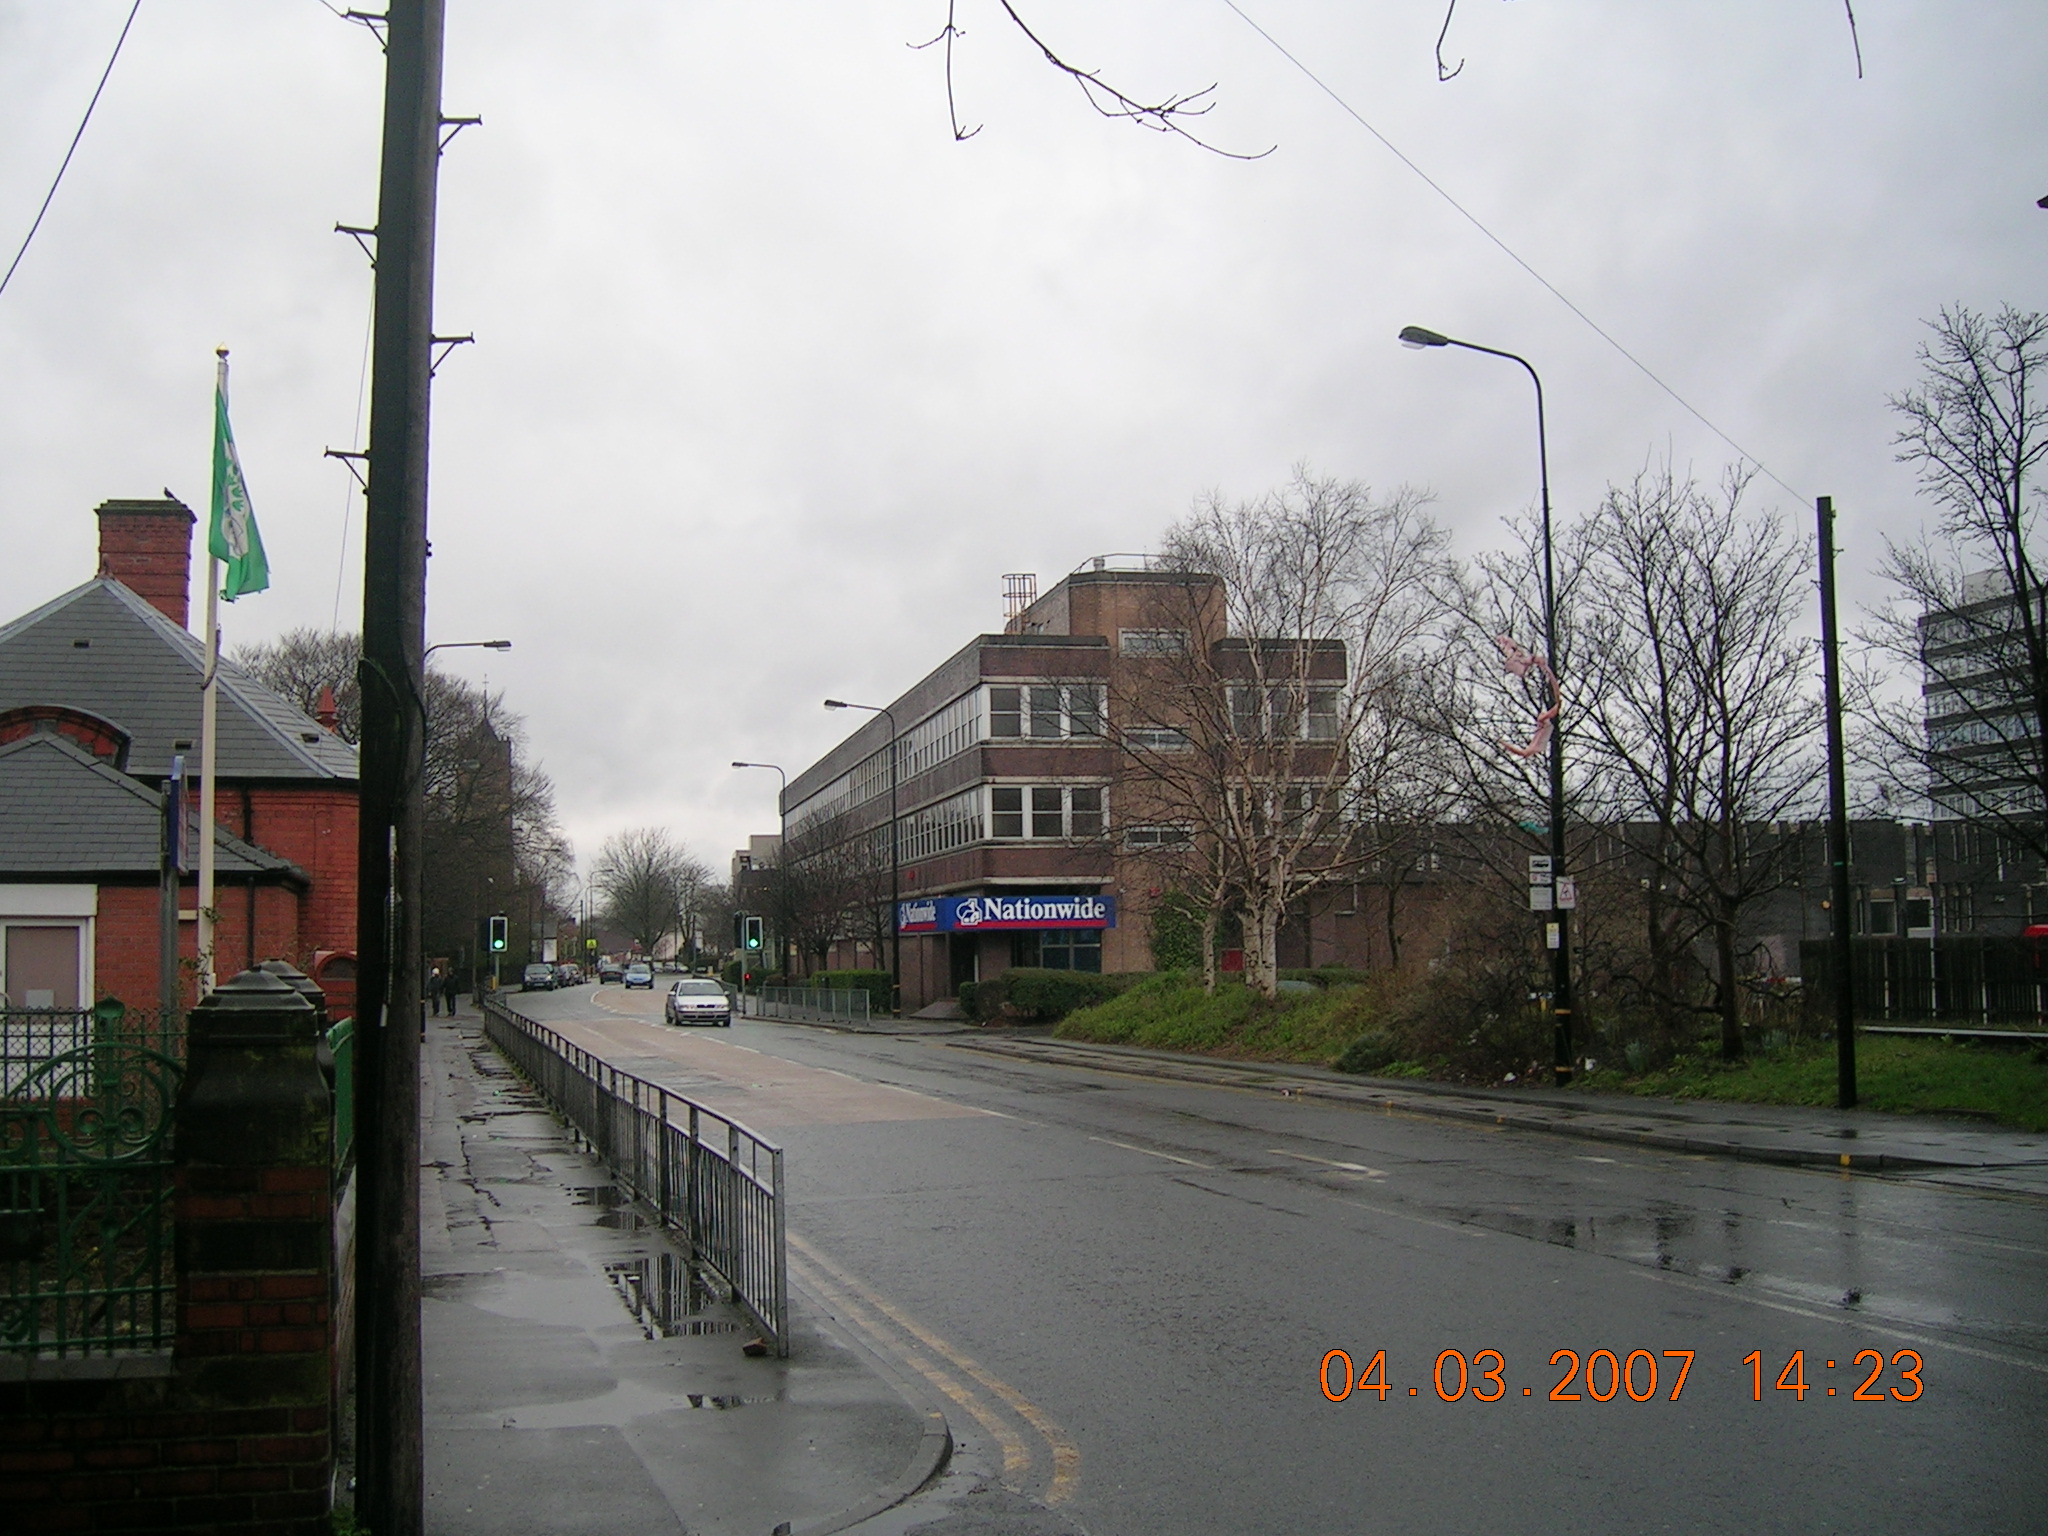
{"x":207,"y":698}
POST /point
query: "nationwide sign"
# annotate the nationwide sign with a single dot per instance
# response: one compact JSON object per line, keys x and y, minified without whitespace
{"x":985,"y":914}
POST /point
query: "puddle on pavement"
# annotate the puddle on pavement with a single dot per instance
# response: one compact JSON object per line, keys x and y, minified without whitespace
{"x":615,"y":1206}
{"x":723,"y":1400}
{"x":669,"y":1299}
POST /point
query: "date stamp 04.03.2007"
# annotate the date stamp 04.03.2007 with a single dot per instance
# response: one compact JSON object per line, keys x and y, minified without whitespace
{"x":1640,"y":1376}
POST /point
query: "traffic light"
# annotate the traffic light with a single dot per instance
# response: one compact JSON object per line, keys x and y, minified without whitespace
{"x":498,"y":935}
{"x":753,"y":938}
{"x":739,"y":930}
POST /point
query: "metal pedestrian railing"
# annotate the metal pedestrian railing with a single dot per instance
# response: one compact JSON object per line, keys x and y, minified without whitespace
{"x":714,"y":1182}
{"x":86,"y":1258}
{"x":819,"y":1004}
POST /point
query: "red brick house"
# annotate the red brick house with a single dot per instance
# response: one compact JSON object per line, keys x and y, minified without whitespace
{"x":99,"y":690}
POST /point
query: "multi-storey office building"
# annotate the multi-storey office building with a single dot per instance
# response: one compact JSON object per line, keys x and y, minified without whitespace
{"x":1022,"y":836}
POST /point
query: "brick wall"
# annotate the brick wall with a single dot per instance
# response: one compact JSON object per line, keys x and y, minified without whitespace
{"x":315,"y":827}
{"x":233,"y":1431}
{"x":125,"y":944}
{"x":130,"y":1456}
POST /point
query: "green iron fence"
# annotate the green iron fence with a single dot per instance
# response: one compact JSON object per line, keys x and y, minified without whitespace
{"x":341,"y":1045}
{"x":85,"y":1180}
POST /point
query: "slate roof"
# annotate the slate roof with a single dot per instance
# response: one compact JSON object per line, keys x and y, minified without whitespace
{"x":141,"y":672}
{"x":64,"y":812}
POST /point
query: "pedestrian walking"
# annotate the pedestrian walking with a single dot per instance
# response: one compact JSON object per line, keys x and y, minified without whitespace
{"x":434,"y":990}
{"x":452,"y":985}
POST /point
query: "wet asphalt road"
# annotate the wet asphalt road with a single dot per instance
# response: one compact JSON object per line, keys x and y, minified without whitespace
{"x":1153,"y":1273}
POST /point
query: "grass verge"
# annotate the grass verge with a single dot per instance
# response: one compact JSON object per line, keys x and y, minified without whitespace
{"x":1903,"y":1076}
{"x":1995,"y":1084}
{"x":1173,"y":1013}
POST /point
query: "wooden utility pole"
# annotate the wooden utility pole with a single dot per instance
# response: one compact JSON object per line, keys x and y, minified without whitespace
{"x":389,"y":1495}
{"x":1838,"y":818}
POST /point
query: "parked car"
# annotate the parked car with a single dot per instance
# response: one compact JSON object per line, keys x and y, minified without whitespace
{"x":698,"y":1000}
{"x":568,"y":975}
{"x":610,"y":970}
{"x":639,"y":974}
{"x":537,"y":978}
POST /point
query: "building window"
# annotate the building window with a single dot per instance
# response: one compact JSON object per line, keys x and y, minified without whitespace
{"x":1045,"y":711}
{"x":1158,"y":837}
{"x":1276,"y":713}
{"x":1048,"y":808}
{"x":1059,"y":949}
{"x":933,"y":829}
{"x":1156,"y":738}
{"x":1006,"y":812}
{"x":1085,"y":807}
{"x":1084,"y":709}
{"x":1152,"y":642}
{"x":44,"y":965}
{"x":1046,"y":811}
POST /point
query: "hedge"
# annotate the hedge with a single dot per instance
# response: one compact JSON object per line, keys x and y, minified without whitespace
{"x":877,"y":984}
{"x":1024,"y":992}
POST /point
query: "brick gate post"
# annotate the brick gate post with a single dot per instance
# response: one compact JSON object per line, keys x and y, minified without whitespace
{"x":254,"y":1254}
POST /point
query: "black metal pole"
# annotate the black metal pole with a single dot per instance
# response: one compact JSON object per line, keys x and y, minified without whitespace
{"x":1557,"y":921}
{"x":389,"y":1494}
{"x":1838,"y":816}
{"x":169,"y":993}
{"x":1561,"y":1000}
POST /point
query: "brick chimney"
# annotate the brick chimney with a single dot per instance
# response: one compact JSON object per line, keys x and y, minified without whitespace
{"x":147,"y":547}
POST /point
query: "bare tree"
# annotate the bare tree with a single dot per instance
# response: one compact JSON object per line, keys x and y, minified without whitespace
{"x":824,"y":878}
{"x":1274,"y":721}
{"x":302,"y":664}
{"x":1970,"y":615}
{"x":1171,"y":113}
{"x":491,"y":838}
{"x":1699,"y":707}
{"x":649,"y":884}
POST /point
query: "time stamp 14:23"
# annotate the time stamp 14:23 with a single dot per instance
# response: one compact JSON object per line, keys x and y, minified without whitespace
{"x":1639,"y":1377}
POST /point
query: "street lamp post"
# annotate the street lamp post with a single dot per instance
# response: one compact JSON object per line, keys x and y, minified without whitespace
{"x":895,"y":859}
{"x":1561,"y":963}
{"x":467,"y":645}
{"x":781,"y":829}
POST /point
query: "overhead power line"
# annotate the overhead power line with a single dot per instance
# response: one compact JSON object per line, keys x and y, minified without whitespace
{"x":1509,"y":251}
{"x":59,"y":177}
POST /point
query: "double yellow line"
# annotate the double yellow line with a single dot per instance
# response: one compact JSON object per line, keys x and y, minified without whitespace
{"x":1010,"y":1419}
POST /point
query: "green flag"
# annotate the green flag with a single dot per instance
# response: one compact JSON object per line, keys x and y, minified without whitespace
{"x":231,"y":534}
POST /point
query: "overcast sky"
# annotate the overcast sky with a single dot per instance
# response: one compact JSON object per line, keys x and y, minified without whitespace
{"x":773,"y":380}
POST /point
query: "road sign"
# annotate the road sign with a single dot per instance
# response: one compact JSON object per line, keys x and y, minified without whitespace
{"x":1539,"y":868}
{"x":1567,"y":893}
{"x":1540,"y":898}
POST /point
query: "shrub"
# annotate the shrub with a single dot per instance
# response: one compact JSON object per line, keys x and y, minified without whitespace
{"x":1373,"y":1051}
{"x":1334,"y":976}
{"x":879,"y":985}
{"x":1176,"y":935}
{"x":1028,"y":993}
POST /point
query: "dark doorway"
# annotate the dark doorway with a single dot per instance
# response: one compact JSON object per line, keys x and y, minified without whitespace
{"x":965,"y":950}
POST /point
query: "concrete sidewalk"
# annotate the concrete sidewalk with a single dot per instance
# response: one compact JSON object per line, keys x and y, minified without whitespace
{"x":1928,"y":1146}
{"x":577,"y":1379}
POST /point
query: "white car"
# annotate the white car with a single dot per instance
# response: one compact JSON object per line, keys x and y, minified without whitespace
{"x":698,"y":1000}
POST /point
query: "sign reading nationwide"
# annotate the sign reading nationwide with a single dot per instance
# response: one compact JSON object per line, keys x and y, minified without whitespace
{"x":982,"y":914}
